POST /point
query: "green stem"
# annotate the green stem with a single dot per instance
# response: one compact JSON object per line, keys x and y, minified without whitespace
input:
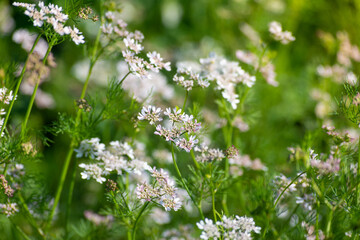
{"x":194,"y":159}
{"x":138,"y":218}
{"x":122,"y":80}
{"x":73,"y":145}
{"x":328,"y":226}
{"x":29,"y":216}
{"x":320,"y":194}
{"x":358,"y":175}
{"x":18,"y":84}
{"x":6,"y":168}
{"x":20,"y":231}
{"x":186,"y":97}
{"x":183,"y":182}
{"x":283,"y":191}
{"x":317,"y":220}
{"x":228,"y":140}
{"x":213,"y":204}
{"x":60,"y":186}
{"x":32,"y":99}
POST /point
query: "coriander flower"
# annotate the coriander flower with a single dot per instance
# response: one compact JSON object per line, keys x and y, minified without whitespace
{"x":51,"y":15}
{"x":150,"y":113}
{"x":210,"y":230}
{"x":285,"y":37}
{"x":238,"y":228}
{"x":92,"y":171}
{"x":185,"y":144}
{"x":76,"y":36}
{"x":9,"y":209}
{"x":162,"y":191}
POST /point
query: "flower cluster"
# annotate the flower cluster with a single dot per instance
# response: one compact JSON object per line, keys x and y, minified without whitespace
{"x":188,"y":78}
{"x":83,"y":104}
{"x":162,"y":191}
{"x":281,"y":182}
{"x":4,"y":185}
{"x":208,"y":154}
{"x":238,"y":162}
{"x":27,"y":39}
{"x":85,"y":13}
{"x":6,"y":97}
{"x":342,"y":137}
{"x":277,"y":33}
{"x":117,"y":157}
{"x":265,"y":67}
{"x":307,"y":201}
{"x":311,"y":233}
{"x":338,"y":73}
{"x":300,"y":187}
{"x":98,"y":219}
{"x":114,"y":28}
{"x":324,"y":105}
{"x":51,"y":15}
{"x":233,"y":228}
{"x":145,"y":91}
{"x":8,"y":209}
{"x":179,"y":233}
{"x":331,"y":165}
{"x":341,"y":72}
{"x":151,"y":114}
{"x":182,"y":123}
{"x":227,"y":74}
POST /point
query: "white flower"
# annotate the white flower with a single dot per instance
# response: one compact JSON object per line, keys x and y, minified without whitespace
{"x":276,"y":31}
{"x":107,"y":28}
{"x":76,"y":36}
{"x":275,"y":28}
{"x":210,"y":230}
{"x":133,"y":45}
{"x":150,"y":113}
{"x":110,"y":15}
{"x":157,"y":61}
{"x":9,"y":209}
{"x":92,"y":171}
{"x":90,"y":147}
{"x":187,"y":145}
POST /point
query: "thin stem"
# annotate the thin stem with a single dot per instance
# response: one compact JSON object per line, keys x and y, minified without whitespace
{"x":71,"y":190}
{"x":283,"y":191}
{"x":122,"y":80}
{"x":6,"y":168}
{"x":317,"y":220}
{"x":321,"y":195}
{"x":186,"y":97}
{"x":183,"y":182}
{"x":18,"y":84}
{"x":60,"y":186}
{"x":358,"y":174}
{"x":213,"y":196}
{"x":32,"y":99}
{"x":194,"y":159}
{"x":72,"y":145}
{"x":20,"y":231}
{"x":29,"y":216}
{"x":328,"y":226}
{"x":228,"y":140}
{"x":213,"y":203}
{"x":138,"y":218}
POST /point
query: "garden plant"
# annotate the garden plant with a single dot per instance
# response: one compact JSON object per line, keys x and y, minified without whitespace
{"x":180,"y":119}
